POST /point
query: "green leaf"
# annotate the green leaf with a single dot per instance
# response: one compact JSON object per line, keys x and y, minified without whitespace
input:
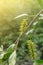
{"x":11,"y":48}
{"x":40,"y":61}
{"x":1,"y":58}
{"x":2,"y":55}
{"x":9,"y":51}
{"x":0,"y":61}
{"x":12,"y":58}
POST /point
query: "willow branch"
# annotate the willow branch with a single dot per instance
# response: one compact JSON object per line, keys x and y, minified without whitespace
{"x":30,"y":24}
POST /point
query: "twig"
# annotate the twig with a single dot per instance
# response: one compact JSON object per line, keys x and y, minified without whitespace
{"x":30,"y":24}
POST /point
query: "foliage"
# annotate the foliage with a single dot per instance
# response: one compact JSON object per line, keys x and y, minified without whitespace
{"x":21,"y":39}
{"x":12,"y":58}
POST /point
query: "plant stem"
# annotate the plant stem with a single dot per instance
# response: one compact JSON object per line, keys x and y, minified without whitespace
{"x":30,"y":24}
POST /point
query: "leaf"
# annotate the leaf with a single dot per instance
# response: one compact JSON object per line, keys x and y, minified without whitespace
{"x":9,"y":51}
{"x":40,"y":61}
{"x":2,"y":55}
{"x":12,"y":58}
{"x":10,"y":48}
{"x":1,"y":49}
{"x":35,"y":63}
{"x":0,"y":61}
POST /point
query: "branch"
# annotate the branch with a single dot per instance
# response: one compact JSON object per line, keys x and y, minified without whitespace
{"x":30,"y":24}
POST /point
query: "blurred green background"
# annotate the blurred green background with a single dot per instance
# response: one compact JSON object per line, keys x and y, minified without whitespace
{"x":10,"y":25}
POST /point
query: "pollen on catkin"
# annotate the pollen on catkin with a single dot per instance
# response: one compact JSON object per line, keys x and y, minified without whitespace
{"x":32,"y":49}
{"x":23,"y":26}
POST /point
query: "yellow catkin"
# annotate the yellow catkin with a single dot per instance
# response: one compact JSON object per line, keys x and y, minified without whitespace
{"x":23,"y":26}
{"x":32,"y":49}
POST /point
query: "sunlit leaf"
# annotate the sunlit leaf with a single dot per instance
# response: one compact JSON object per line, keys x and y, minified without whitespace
{"x":12,"y":58}
{"x":9,"y":51}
